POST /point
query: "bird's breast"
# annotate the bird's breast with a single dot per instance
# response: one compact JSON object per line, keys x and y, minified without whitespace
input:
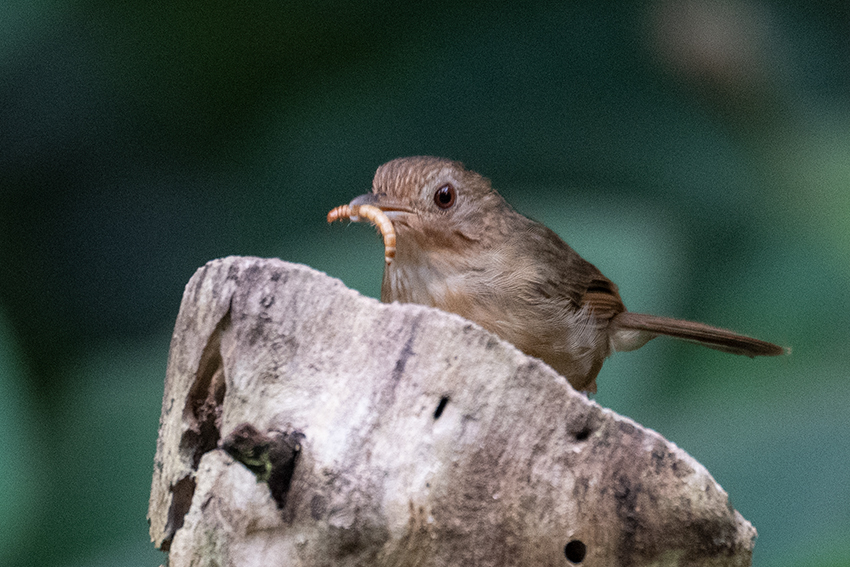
{"x":422,"y":279}
{"x":501,"y":294}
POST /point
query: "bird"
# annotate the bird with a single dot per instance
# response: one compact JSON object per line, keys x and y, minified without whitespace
{"x":460,"y":247}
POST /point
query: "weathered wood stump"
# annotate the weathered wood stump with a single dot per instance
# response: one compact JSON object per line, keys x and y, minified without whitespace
{"x":304,"y":424}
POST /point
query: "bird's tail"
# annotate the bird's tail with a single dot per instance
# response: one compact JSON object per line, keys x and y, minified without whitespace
{"x":711,"y":337}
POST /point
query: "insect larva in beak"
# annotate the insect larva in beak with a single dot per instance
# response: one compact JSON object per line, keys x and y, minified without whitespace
{"x":373,"y":214}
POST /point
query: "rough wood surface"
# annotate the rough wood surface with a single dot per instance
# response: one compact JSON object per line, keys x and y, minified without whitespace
{"x":401,"y":435}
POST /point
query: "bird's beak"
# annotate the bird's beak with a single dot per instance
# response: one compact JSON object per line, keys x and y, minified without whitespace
{"x":394,"y":210}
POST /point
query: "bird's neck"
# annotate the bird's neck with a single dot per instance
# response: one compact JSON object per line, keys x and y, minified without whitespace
{"x":427,"y":277}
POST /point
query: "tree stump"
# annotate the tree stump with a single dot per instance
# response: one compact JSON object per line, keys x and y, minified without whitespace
{"x":304,"y":424}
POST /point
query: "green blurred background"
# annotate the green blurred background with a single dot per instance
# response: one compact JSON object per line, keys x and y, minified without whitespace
{"x":697,"y":152}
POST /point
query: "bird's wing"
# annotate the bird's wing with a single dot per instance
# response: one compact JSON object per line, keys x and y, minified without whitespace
{"x":569,"y":278}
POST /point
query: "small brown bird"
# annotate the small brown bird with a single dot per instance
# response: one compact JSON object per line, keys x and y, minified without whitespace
{"x":462,"y":248}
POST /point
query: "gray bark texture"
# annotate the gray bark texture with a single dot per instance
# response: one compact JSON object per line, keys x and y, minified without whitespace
{"x":304,"y":425}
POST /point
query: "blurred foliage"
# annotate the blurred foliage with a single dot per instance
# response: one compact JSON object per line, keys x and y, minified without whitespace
{"x":697,"y":151}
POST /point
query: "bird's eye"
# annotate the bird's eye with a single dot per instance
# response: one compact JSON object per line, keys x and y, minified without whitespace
{"x":445,"y":196}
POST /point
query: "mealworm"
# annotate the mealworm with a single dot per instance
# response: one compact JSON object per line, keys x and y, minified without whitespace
{"x":376,"y":216}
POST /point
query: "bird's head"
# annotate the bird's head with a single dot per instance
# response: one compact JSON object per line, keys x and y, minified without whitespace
{"x":436,"y":204}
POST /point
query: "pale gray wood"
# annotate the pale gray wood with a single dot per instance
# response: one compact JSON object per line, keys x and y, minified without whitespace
{"x":516,"y":466}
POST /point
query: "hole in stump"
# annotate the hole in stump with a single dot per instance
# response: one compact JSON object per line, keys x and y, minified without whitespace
{"x":440,"y":407}
{"x":575,"y":551}
{"x":181,"y":500}
{"x":583,"y":434}
{"x":202,"y":414}
{"x":270,"y":456}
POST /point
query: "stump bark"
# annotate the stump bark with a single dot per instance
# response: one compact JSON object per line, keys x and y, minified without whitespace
{"x":304,"y":424}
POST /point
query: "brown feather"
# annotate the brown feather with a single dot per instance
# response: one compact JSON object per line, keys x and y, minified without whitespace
{"x":706,"y":335}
